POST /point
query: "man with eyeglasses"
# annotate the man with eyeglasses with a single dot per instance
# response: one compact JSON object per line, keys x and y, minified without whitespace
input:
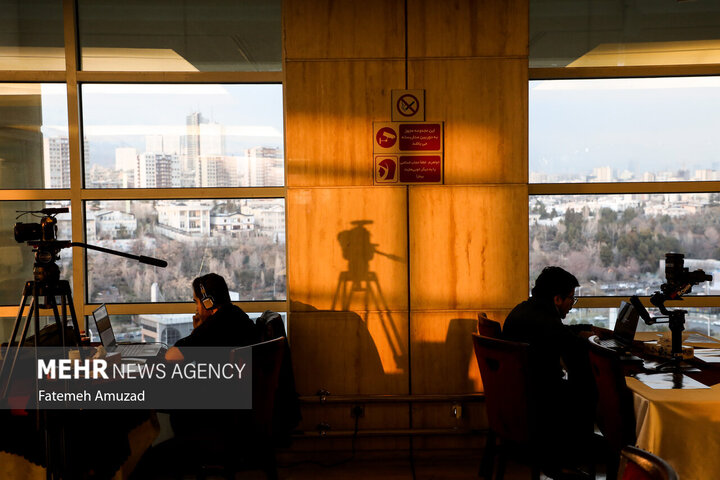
{"x":560,"y":367}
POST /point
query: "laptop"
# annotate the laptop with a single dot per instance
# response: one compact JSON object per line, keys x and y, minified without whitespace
{"x":107,"y":338}
{"x":625,"y":327}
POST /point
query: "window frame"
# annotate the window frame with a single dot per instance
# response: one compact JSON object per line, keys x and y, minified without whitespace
{"x":564,"y":73}
{"x":77,"y":195}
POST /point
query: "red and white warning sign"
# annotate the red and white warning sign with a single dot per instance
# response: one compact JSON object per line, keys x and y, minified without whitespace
{"x":386,"y":169}
{"x":386,"y":137}
{"x":408,"y":152}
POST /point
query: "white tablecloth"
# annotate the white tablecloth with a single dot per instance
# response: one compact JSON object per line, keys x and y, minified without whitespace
{"x":680,"y":426}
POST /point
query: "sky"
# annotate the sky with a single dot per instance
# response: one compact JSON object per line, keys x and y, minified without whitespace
{"x":122,"y":115}
{"x":646,"y":124}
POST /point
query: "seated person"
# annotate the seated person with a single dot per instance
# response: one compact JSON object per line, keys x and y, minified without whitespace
{"x":566,"y":410}
{"x":217,"y":322}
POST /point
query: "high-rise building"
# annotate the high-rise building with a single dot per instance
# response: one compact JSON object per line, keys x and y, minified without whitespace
{"x":264,"y":167}
{"x":157,"y":170}
{"x":56,"y":151}
{"x":57,"y":162}
{"x":203,"y":138}
{"x":216,"y":171}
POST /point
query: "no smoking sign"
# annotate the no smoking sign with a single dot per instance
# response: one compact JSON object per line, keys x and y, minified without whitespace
{"x":408,"y":105}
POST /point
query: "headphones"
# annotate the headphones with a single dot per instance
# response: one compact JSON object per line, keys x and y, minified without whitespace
{"x":207,"y":300}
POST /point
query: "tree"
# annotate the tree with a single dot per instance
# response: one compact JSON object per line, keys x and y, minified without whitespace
{"x":606,"y":255}
{"x":573,"y":228}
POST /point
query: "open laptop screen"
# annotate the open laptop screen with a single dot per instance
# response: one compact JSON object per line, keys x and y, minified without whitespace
{"x":102,"y":322}
{"x":626,"y":323}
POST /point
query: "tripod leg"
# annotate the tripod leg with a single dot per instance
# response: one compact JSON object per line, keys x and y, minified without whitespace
{"x":68,"y":298}
{"x":6,"y":385}
{"x":58,"y":322}
{"x":16,"y":326}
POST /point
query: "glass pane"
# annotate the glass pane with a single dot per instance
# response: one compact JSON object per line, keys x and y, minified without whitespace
{"x":166,"y":328}
{"x":616,"y":244}
{"x":193,"y":35}
{"x":167,"y":136}
{"x":241,"y":239}
{"x":31,"y":35}
{"x":624,"y":130}
{"x":17,"y":258}
{"x":701,"y":320}
{"x":576,"y":33}
{"x":34,"y":149}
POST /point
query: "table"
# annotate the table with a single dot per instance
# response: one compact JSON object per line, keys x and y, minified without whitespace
{"x":680,"y":426}
{"x":106,"y":444}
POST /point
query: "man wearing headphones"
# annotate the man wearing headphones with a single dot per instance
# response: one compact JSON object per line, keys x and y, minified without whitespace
{"x":217,"y":322}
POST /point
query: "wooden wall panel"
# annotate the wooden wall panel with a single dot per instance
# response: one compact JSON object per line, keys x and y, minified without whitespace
{"x":443,"y":360}
{"x":467,"y":28}
{"x":337,"y":236}
{"x":318,"y":29}
{"x":330,"y":107}
{"x":344,"y":354}
{"x":468,"y":247}
{"x":484,"y":105}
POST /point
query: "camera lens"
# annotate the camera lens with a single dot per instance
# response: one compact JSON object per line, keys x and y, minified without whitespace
{"x":25,"y":232}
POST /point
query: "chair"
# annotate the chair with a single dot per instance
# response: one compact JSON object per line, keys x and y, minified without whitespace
{"x":615,"y":411}
{"x":487,"y":327}
{"x":637,"y":464}
{"x":246,"y":442}
{"x":504,"y":367}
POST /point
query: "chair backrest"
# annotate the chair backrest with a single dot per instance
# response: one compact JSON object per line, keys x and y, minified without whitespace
{"x":637,"y":464}
{"x":505,"y":370}
{"x":487,"y":327}
{"x":266,"y":361}
{"x":615,"y":411}
{"x":287,"y":414}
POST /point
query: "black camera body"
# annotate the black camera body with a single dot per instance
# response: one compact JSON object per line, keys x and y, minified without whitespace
{"x":45,"y":231}
{"x":43,"y":238}
{"x":679,"y":279}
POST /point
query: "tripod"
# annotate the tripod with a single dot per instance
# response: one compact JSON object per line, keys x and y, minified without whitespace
{"x":43,"y":293}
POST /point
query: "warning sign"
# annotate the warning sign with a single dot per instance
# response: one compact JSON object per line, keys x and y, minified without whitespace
{"x":408,"y":105}
{"x":420,"y":137}
{"x":386,"y":169}
{"x":386,"y":137}
{"x":420,"y":169}
{"x":408,"y":152}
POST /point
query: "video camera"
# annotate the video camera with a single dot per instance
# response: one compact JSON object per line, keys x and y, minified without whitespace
{"x":45,"y":231}
{"x":680,"y":281}
{"x":43,"y":238}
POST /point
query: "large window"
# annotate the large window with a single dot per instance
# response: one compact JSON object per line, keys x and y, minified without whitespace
{"x":172,"y":148}
{"x":622,"y":149}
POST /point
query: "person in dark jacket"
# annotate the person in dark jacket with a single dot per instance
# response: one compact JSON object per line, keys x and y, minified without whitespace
{"x":561,"y":375}
{"x":217,"y":322}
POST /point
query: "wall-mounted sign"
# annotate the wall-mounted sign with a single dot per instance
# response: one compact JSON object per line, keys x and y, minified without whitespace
{"x":408,"y":105}
{"x":408,"y":152}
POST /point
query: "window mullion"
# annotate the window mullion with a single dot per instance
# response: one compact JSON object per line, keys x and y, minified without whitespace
{"x":74,"y":141}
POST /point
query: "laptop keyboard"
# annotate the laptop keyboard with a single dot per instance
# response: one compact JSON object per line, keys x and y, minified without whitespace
{"x":612,"y":343}
{"x":130,"y":350}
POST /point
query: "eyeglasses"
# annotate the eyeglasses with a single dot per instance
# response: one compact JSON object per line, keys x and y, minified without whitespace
{"x":574,"y":299}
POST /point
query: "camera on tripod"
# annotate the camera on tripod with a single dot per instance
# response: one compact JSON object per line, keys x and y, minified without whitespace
{"x":43,"y":238}
{"x":45,"y":231}
{"x":680,"y":279}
